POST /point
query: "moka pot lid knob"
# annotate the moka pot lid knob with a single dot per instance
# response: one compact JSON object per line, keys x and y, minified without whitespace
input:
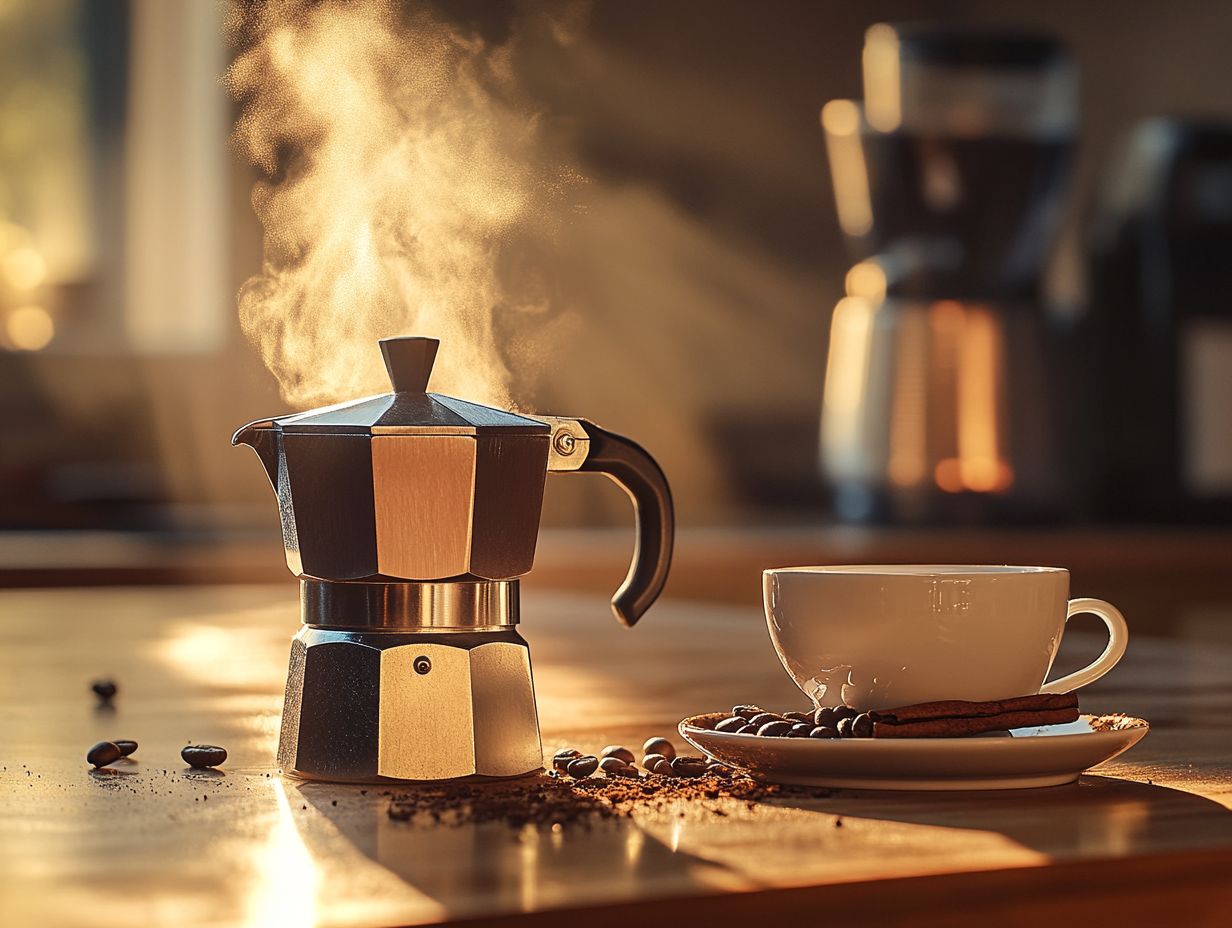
{"x":409,"y":359}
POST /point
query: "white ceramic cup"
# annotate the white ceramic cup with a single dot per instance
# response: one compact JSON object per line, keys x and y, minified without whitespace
{"x":881,"y":636}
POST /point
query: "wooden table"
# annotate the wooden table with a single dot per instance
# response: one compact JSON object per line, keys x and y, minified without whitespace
{"x":1148,"y":839}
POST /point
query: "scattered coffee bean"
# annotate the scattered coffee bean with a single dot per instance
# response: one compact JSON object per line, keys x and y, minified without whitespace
{"x":105,"y":690}
{"x":662,"y":766}
{"x":687,"y":766}
{"x":845,"y":712}
{"x":203,"y":755}
{"x":844,"y":728}
{"x":581,"y":767}
{"x":761,"y":718}
{"x":862,"y":726}
{"x":615,"y":767}
{"x":659,"y":746}
{"x":800,"y":730}
{"x":825,"y":717}
{"x":650,"y":760}
{"x":561,"y":759}
{"x":616,"y":750}
{"x":823,"y":731}
{"x":777,"y":729}
{"x":735,"y":723}
{"x":126,"y":746}
{"x":103,"y":753}
{"x":798,"y":717}
{"x":746,"y":712}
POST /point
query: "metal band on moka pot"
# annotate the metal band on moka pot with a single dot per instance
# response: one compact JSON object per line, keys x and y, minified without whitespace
{"x":407,"y":607}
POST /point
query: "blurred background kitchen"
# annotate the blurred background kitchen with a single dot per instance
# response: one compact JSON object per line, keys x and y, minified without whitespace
{"x":948,"y":291}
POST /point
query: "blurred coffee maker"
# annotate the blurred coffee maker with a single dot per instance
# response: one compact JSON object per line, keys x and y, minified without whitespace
{"x":949,"y":183}
{"x":1159,"y":242}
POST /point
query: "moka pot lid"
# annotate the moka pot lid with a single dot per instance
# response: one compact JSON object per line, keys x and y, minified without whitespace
{"x":409,"y":409}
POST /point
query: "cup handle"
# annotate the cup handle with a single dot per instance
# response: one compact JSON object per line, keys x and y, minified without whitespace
{"x":1118,"y":638}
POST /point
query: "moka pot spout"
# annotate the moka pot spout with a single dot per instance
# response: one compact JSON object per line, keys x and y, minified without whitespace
{"x":262,"y":437}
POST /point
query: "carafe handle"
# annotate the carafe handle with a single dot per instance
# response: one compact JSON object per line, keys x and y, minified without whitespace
{"x":581,"y":446}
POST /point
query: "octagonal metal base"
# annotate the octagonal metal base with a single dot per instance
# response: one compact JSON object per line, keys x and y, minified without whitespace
{"x":382,"y":706}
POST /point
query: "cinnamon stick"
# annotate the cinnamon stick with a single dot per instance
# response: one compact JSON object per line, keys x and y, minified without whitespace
{"x":957,"y":718}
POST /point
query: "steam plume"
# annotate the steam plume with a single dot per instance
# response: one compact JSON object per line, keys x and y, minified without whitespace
{"x":397,"y":156}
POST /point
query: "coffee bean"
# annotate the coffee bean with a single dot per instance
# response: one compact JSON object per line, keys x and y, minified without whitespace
{"x":800,"y":730}
{"x":825,"y":717}
{"x":762,"y":718}
{"x":845,"y":712}
{"x":748,"y":730}
{"x":823,"y":731}
{"x":735,"y":723}
{"x":661,"y":766}
{"x":862,"y":726}
{"x":203,"y":755}
{"x":581,"y":767}
{"x":616,"y":750}
{"x":688,"y":766}
{"x":105,"y":690}
{"x":844,"y":728}
{"x":561,"y":759}
{"x":103,"y":753}
{"x":798,"y":716}
{"x":126,"y":747}
{"x":746,"y":712}
{"x":659,"y":746}
{"x":615,"y":767}
{"x":777,"y":729}
{"x":650,"y":761}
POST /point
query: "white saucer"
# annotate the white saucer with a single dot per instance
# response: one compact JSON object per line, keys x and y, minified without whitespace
{"x":1025,"y":757}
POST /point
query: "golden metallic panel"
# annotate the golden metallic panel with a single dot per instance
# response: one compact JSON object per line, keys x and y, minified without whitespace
{"x":426,"y":729}
{"x":286,"y":513}
{"x":423,"y":489}
{"x":288,"y":736}
{"x":506,"y":724}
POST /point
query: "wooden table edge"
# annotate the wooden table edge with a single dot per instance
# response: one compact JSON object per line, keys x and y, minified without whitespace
{"x":1190,"y":888}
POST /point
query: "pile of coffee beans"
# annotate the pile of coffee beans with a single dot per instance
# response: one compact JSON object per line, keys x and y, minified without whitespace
{"x":837,"y":722}
{"x":658,"y":757}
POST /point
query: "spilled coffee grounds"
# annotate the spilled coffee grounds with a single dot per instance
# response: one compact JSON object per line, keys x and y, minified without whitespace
{"x":546,"y":800}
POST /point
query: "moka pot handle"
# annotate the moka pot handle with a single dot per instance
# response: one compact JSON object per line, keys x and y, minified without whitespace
{"x":580,"y":446}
